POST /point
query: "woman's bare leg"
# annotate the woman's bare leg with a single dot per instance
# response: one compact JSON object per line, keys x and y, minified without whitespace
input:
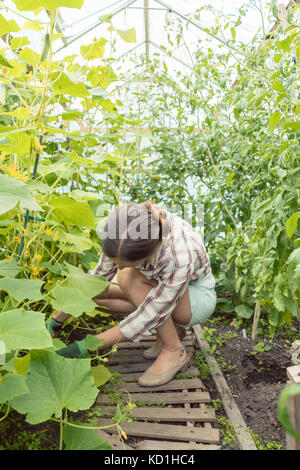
{"x":136,"y":287}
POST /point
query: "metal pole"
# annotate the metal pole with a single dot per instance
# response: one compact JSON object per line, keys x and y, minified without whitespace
{"x":146,"y":24}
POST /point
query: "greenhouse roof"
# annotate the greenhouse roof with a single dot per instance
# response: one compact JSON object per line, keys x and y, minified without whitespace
{"x":149,"y":25}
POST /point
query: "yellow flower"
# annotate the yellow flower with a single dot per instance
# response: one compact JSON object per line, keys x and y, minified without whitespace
{"x":16,"y":239}
{"x":35,"y":270}
{"x":105,"y":359}
{"x":37,"y":258}
{"x":48,"y":232}
{"x":55,"y":235}
{"x":123,"y":434}
{"x":26,"y":252}
{"x":113,"y":322}
{"x":49,"y":281}
{"x":78,"y":323}
{"x":1,"y":378}
{"x":38,"y":146}
{"x":12,"y":171}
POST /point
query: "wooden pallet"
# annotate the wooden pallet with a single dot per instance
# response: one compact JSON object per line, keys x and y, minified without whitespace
{"x":171,"y":416}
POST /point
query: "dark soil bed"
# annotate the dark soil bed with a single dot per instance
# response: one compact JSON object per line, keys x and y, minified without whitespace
{"x":255,"y":372}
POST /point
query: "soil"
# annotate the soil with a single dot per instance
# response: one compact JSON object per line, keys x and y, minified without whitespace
{"x":255,"y":380}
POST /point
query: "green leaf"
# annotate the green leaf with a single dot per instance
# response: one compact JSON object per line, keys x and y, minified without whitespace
{"x":7,"y":26}
{"x":55,"y":383}
{"x":29,"y":56}
{"x":9,"y":268}
{"x":291,"y":125}
{"x":18,"y":42}
{"x":86,"y":283}
{"x":101,"y":375}
{"x":23,"y":329}
{"x":32,"y":5}
{"x":93,"y":51}
{"x":128,"y":35}
{"x":81,"y":242}
{"x":282,"y":411}
{"x":72,"y":301}
{"x":274,"y":120}
{"x":13,"y":191}
{"x":72,"y":212}
{"x":277,"y":85}
{"x":83,"y":439}
{"x":4,"y":62}
{"x":62,"y":85}
{"x":93,"y":343}
{"x":21,"y":289}
{"x":244,"y":311}
{"x":291,"y":224}
{"x":11,"y":386}
{"x":22,"y":364}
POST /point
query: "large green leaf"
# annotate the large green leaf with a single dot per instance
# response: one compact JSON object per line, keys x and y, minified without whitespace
{"x":72,"y":212}
{"x":62,"y":85}
{"x":21,"y":289}
{"x":83,"y":439}
{"x":128,"y":35}
{"x":244,"y":311}
{"x":72,"y":301}
{"x":7,"y":26}
{"x":23,"y":329}
{"x":86,"y":283}
{"x":11,"y":386}
{"x":9,"y":268}
{"x":13,"y":191}
{"x":32,"y":5}
{"x":94,"y":50}
{"x":291,"y":224}
{"x":55,"y":383}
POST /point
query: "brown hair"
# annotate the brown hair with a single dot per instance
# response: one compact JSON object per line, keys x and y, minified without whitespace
{"x":133,"y":231}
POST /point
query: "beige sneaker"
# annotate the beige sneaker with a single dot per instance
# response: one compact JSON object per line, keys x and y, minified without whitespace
{"x":154,"y":351}
{"x":148,"y":379}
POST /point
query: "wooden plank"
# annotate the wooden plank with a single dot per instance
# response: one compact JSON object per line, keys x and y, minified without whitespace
{"x":113,"y":440}
{"x":167,"y":414}
{"x":133,"y":376}
{"x":168,"y":445}
{"x":293,"y":406}
{"x":165,"y":431}
{"x":166,"y":398}
{"x":148,"y":344}
{"x":173,"y":385}
{"x":132,"y":356}
{"x":243,"y":436}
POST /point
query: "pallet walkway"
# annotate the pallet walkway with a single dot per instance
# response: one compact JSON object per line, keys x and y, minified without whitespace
{"x":171,"y":416}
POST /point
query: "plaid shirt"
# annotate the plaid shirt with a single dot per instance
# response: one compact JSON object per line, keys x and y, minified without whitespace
{"x":182,"y":259}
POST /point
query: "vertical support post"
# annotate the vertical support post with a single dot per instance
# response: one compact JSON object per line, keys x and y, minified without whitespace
{"x":293,"y":405}
{"x":146,"y":24}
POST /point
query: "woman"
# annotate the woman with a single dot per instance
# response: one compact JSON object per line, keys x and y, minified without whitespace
{"x":164,"y":282}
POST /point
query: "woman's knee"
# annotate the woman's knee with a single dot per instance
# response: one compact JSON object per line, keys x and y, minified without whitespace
{"x":125,"y":278}
{"x":131,"y":278}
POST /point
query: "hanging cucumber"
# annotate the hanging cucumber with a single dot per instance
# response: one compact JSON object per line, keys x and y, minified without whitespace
{"x":46,"y":48}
